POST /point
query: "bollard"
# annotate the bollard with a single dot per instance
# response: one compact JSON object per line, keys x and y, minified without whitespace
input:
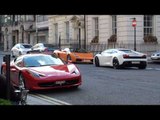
{"x":6,"y":59}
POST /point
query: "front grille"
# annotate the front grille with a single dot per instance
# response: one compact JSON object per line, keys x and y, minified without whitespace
{"x":53,"y":84}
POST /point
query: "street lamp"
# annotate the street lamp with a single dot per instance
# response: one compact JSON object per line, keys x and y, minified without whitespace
{"x":134,"y":23}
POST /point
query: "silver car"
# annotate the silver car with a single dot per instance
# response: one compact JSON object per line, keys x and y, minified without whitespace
{"x":155,"y":57}
{"x":20,"y":49}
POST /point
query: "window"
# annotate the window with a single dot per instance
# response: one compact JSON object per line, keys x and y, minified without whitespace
{"x":41,"y":18}
{"x":96,"y":26}
{"x":56,"y":32}
{"x":148,"y":25}
{"x":67,"y":31}
{"x":114,"y":24}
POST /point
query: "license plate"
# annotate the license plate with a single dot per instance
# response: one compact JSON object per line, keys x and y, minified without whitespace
{"x":86,"y":60}
{"x":135,"y":62}
{"x":60,"y":82}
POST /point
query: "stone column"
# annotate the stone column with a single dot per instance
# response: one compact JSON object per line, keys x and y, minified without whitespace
{"x":20,"y":36}
{"x":10,"y":41}
{"x":25,"y":37}
{"x":5,"y":42}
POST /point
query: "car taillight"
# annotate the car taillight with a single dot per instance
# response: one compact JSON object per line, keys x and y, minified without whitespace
{"x":125,"y":56}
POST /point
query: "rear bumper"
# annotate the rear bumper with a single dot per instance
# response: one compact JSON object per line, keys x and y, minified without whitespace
{"x":133,"y":64}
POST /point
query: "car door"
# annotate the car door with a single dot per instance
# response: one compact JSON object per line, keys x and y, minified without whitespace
{"x":105,"y":57}
{"x":15,"y":69}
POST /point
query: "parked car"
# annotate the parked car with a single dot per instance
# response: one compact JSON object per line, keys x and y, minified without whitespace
{"x":42,"y":71}
{"x":155,"y":57}
{"x":75,"y":55}
{"x":121,"y":57}
{"x":20,"y":49}
{"x":42,"y":47}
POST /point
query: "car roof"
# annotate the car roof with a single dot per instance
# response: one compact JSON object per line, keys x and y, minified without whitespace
{"x":37,"y":54}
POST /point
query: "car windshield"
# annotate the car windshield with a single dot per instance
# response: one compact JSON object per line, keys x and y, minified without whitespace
{"x":127,"y":51}
{"x":41,"y":60}
{"x":27,"y":46}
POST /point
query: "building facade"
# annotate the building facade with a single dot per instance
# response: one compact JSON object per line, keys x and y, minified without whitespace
{"x":42,"y":29}
{"x":82,"y":30}
{"x":66,"y":29}
{"x":23,"y":29}
{"x":106,"y":29}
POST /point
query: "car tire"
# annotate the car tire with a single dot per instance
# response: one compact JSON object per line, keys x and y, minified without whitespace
{"x":115,"y":63}
{"x":69,"y":57}
{"x":97,"y":62}
{"x":20,"y":53}
{"x":75,"y":87}
{"x":12,"y":54}
{"x":22,"y":81}
{"x":142,"y":66}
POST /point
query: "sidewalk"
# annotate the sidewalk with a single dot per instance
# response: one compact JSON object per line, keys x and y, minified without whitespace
{"x":31,"y":100}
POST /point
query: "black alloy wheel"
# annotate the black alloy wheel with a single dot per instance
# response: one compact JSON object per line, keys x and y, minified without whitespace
{"x":115,"y":63}
{"x":68,"y":57}
{"x":97,"y":62}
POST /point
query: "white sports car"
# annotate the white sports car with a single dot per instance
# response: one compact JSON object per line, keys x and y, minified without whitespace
{"x":155,"y":57}
{"x":120,"y":57}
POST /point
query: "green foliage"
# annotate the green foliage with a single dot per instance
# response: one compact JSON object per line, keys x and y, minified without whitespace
{"x":150,"y":39}
{"x":5,"y":102}
{"x":113,"y":38}
{"x":95,"y":39}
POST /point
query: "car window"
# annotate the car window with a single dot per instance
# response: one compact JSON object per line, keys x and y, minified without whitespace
{"x":27,"y":46}
{"x":127,"y":51}
{"x":109,"y":51}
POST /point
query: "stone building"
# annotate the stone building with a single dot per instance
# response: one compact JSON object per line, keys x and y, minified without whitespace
{"x":23,"y":29}
{"x":105,"y":29}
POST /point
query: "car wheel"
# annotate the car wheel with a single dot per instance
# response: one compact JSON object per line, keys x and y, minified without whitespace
{"x":96,"y":62}
{"x":75,"y":87}
{"x":21,"y":81}
{"x":20,"y":53}
{"x":115,"y":63}
{"x":142,"y":66}
{"x":12,"y":54}
{"x":68,"y":57}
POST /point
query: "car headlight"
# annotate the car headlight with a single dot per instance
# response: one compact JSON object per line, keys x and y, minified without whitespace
{"x":35,"y":74}
{"x":72,"y":69}
{"x":76,"y":71}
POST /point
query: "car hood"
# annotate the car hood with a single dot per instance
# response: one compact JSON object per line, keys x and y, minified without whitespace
{"x":58,"y":70}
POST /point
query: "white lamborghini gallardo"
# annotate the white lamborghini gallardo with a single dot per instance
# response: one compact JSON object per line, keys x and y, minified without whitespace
{"x":120,"y":57}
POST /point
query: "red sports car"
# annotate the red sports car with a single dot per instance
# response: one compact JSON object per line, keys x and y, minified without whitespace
{"x":41,"y":71}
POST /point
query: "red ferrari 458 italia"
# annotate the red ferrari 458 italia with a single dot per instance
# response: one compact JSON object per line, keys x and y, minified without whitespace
{"x":41,"y":71}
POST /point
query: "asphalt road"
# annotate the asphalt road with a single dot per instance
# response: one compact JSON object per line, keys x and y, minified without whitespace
{"x":107,"y":86}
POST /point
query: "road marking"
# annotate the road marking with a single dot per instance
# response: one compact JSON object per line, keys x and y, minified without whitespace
{"x":153,"y":69}
{"x":50,"y":100}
